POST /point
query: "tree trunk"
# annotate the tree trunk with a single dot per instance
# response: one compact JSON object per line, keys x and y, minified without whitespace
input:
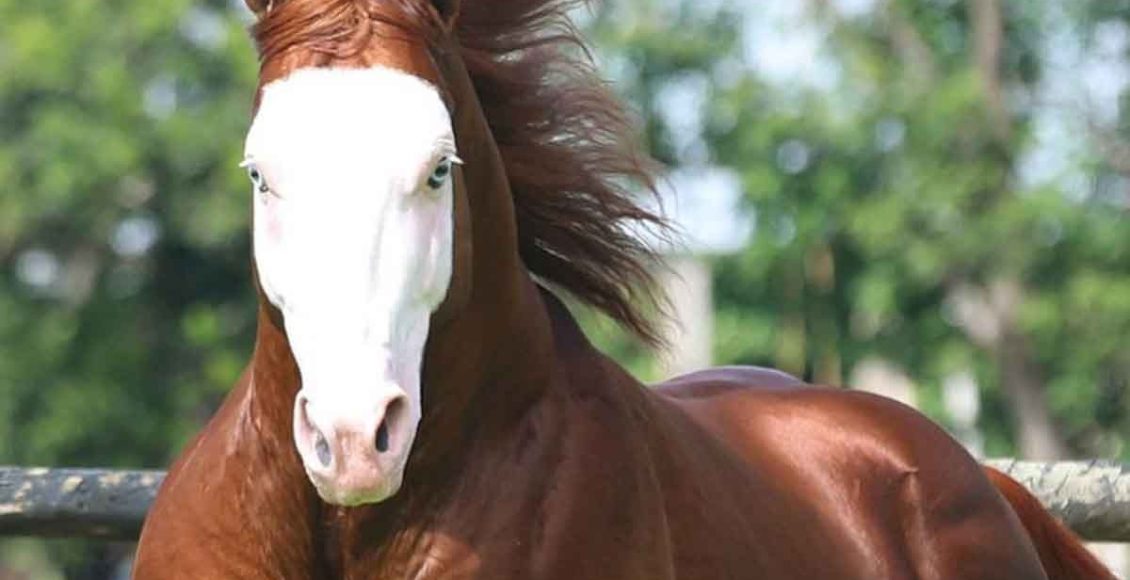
{"x":988,"y":318}
{"x":1023,"y":386}
{"x":1020,"y":375}
{"x":988,"y":43}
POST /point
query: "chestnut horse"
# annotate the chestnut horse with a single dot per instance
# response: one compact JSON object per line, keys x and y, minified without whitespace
{"x":418,"y":405}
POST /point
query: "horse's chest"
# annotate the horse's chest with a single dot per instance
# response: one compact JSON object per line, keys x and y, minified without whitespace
{"x":586,"y":542}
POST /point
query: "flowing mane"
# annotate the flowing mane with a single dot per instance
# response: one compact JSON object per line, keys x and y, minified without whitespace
{"x":568,"y":145}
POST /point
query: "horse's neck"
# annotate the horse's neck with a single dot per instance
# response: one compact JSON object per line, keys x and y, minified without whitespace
{"x":573,"y":459}
{"x":492,"y":339}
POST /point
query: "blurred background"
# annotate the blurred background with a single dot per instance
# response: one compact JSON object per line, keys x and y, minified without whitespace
{"x":926,"y":198}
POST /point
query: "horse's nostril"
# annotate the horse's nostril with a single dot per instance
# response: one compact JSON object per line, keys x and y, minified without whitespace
{"x":382,"y":437}
{"x":391,"y":418}
{"x":322,"y":448}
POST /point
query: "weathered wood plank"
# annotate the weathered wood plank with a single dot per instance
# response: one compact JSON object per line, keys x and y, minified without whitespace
{"x":108,"y":505}
{"x":1092,"y":497}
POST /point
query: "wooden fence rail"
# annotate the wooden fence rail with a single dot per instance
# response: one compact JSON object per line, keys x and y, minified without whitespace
{"x":1093,"y":498}
{"x":88,"y":503}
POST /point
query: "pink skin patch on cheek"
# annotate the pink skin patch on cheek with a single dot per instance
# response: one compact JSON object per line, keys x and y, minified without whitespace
{"x":272,"y":219}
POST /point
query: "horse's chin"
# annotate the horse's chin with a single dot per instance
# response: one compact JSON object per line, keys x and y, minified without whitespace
{"x":353,"y":497}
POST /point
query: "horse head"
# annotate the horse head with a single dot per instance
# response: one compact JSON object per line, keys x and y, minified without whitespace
{"x":352,"y":162}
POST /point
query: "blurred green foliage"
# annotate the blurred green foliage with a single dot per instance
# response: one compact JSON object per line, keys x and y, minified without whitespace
{"x":124,"y":301}
{"x":887,"y":187}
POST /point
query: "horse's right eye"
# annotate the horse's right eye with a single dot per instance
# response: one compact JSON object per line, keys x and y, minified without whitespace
{"x":257,"y":179}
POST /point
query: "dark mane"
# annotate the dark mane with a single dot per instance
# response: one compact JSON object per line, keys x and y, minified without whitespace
{"x":568,"y":145}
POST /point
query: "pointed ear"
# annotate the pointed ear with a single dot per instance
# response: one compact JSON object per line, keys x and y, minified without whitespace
{"x":448,"y":11}
{"x":260,"y":7}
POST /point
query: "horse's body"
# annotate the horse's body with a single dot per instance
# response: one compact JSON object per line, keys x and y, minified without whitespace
{"x":537,"y":456}
{"x":728,"y":473}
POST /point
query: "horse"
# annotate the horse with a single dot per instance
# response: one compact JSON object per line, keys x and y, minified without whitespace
{"x":427,"y":178}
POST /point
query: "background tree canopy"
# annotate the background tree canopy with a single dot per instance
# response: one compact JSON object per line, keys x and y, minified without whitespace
{"x":939,"y":185}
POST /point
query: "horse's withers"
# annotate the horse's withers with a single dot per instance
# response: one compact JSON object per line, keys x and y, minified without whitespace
{"x":352,"y":173}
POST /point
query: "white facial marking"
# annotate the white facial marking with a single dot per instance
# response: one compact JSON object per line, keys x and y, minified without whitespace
{"x":352,"y":179}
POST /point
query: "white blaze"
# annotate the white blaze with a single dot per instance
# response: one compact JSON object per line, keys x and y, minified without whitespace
{"x":352,"y":243}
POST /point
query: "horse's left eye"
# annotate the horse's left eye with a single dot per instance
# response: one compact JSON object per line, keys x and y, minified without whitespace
{"x":441,"y":174}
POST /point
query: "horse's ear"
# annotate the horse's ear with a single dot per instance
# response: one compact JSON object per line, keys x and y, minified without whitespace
{"x":260,"y":7}
{"x":448,"y":11}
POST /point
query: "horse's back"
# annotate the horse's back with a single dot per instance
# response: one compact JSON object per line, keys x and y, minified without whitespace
{"x":866,"y":484}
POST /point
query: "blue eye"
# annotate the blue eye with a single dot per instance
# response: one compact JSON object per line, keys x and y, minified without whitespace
{"x":257,"y":179}
{"x":441,"y":174}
